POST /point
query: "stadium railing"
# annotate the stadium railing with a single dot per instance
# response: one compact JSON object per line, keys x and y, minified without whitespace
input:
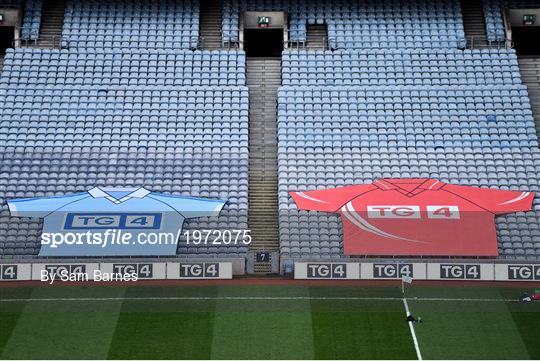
{"x":55,"y":42}
{"x":52,"y":41}
{"x":482,"y":42}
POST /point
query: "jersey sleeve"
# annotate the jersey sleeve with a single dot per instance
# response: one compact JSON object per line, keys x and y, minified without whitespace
{"x":328,"y":200}
{"x":41,"y":207}
{"x":191,"y":207}
{"x":497,"y":201}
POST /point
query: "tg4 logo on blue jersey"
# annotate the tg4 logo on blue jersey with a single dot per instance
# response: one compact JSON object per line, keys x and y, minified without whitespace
{"x":113,"y":221}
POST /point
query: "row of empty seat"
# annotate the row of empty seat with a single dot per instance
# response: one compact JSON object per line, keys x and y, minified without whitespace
{"x":141,"y":67}
{"x":396,"y":67}
{"x":161,"y":24}
{"x":369,"y":24}
{"x":365,"y":117}
{"x":68,"y":116}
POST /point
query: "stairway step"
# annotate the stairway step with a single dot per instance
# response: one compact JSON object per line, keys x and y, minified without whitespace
{"x":473,"y":22}
{"x":263,"y":78}
{"x":529,"y":67}
{"x":52,"y":22}
{"x":210,"y":24}
{"x":316,"y":37}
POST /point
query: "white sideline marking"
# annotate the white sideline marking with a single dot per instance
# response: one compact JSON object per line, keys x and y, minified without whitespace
{"x":254,"y":298}
{"x":411,"y":328}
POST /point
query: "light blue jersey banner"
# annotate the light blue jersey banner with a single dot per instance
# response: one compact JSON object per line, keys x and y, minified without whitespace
{"x":113,"y":221}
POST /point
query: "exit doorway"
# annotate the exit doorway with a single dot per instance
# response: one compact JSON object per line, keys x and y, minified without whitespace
{"x":263,"y":42}
{"x":525,"y":40}
{"x":7,"y":34}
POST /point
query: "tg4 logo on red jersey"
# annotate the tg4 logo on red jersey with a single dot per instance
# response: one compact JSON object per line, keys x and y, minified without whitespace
{"x":413,"y":212}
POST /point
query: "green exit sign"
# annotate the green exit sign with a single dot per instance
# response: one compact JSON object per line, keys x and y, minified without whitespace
{"x":263,"y":21}
{"x":529,"y":19}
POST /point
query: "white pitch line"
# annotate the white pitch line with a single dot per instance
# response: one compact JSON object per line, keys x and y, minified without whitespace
{"x":247,"y":298}
{"x":411,"y":328}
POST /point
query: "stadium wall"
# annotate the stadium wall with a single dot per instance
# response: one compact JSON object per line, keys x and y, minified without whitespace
{"x":87,"y":270}
{"x":440,"y":271}
{"x":209,"y":269}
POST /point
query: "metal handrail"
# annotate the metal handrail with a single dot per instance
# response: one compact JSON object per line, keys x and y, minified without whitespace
{"x":53,"y":41}
{"x":303,"y":45}
{"x":197,"y":42}
{"x":482,"y":42}
{"x":471,"y":42}
{"x":56,"y":42}
{"x":506,"y":24}
{"x":19,"y":42}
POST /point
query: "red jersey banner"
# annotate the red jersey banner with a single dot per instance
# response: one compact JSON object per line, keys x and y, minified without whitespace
{"x":416,"y":216}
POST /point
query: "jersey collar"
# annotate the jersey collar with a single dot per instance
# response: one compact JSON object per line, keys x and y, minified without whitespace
{"x":432,"y":185}
{"x":386,"y":184}
{"x":98,"y":192}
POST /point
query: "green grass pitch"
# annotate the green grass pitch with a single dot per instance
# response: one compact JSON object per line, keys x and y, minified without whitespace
{"x":265,"y":322}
